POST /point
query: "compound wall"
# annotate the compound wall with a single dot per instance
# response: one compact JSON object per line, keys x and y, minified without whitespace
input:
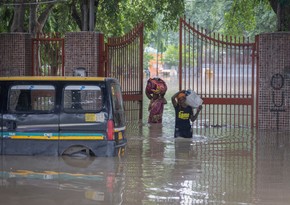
{"x":274,"y":81}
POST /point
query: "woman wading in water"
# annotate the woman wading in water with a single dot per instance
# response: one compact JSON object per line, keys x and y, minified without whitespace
{"x":155,"y":91}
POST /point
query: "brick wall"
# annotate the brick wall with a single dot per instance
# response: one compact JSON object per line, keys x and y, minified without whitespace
{"x":15,"y":54}
{"x":274,"y":81}
{"x":83,"y":49}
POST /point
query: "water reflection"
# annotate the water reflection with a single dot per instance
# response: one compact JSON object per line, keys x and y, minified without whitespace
{"x":58,"y":180}
{"x":273,"y":168}
{"x":238,"y":167}
{"x":208,"y":169}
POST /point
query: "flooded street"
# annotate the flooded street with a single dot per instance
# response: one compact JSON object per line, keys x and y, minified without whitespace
{"x":230,"y":166}
{"x":156,"y":169}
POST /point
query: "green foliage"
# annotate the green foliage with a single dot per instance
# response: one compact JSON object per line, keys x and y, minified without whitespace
{"x":146,"y":59}
{"x":113,"y":17}
{"x":128,"y":13}
{"x":158,"y":36}
{"x":5,"y":18}
{"x":171,"y":11}
{"x":117,"y":17}
{"x":58,"y":22}
{"x":240,"y":18}
{"x":265,"y":20}
{"x":208,"y":14}
{"x":249,"y":18}
{"x":232,"y":17}
{"x":171,"y":55}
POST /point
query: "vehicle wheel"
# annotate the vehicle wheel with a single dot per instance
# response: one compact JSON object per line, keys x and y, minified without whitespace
{"x":78,"y":151}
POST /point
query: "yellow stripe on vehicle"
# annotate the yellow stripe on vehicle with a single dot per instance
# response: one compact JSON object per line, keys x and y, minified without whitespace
{"x":59,"y":138}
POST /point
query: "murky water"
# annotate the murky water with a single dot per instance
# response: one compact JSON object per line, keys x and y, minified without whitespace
{"x":157,"y":169}
{"x":231,"y":166}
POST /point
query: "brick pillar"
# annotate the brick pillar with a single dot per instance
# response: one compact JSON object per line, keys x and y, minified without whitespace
{"x":274,"y":81}
{"x":84,"y":49}
{"x":15,"y":54}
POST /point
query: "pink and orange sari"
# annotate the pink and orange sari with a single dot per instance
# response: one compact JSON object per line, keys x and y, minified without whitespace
{"x":156,"y":110}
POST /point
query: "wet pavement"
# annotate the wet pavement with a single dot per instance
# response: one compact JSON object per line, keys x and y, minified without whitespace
{"x":217,"y":166}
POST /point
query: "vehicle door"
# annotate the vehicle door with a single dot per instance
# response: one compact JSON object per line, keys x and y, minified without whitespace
{"x":118,"y":112}
{"x":1,"y":119}
{"x":31,"y":123}
{"x":83,"y":116}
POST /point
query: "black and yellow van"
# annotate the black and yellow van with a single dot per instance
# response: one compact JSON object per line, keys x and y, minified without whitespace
{"x":61,"y":116}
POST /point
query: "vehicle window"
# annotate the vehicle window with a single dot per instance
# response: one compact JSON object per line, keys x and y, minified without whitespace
{"x":117,"y":97}
{"x":82,"y":98}
{"x":119,"y":115}
{"x":28,"y":98}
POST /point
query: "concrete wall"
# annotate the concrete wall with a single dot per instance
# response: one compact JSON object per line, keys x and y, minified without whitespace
{"x":274,"y":81}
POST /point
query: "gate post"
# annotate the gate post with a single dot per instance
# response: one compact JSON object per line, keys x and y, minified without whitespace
{"x":84,"y":49}
{"x":15,"y":54}
{"x":274,"y":81}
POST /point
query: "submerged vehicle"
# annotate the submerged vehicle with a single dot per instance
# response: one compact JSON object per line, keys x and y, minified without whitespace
{"x":61,"y":116}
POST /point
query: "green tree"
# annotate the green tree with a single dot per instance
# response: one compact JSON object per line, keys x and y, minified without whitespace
{"x":5,"y":18}
{"x":112,"y":17}
{"x":232,"y":17}
{"x":24,"y":16}
{"x":246,"y":15}
{"x":146,"y":59}
{"x":171,"y":56}
{"x":208,"y":14}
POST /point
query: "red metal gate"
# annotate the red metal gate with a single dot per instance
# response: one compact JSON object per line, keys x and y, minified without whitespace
{"x":48,"y":55}
{"x":124,"y":61}
{"x":222,"y":71}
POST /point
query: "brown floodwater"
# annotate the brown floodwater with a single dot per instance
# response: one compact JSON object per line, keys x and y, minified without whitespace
{"x":221,"y":166}
{"x":249,"y":168}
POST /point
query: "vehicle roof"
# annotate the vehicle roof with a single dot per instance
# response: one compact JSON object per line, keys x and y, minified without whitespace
{"x":53,"y":78}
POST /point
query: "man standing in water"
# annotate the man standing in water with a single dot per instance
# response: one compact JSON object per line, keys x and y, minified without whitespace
{"x":183,"y":115}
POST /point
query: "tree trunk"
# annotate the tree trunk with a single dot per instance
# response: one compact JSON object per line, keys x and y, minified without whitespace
{"x":32,"y":19}
{"x":283,"y":14}
{"x":85,"y":15}
{"x":282,"y":10}
{"x":92,"y":16}
{"x":85,"y":18}
{"x":18,"y":19}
